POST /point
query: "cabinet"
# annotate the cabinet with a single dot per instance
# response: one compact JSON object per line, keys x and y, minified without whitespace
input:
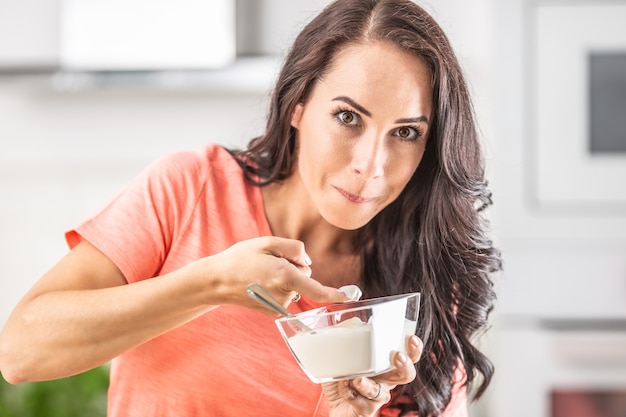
{"x":29,"y":34}
{"x":31,"y":41}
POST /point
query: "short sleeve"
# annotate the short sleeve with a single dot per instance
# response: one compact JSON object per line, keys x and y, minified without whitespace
{"x":135,"y":229}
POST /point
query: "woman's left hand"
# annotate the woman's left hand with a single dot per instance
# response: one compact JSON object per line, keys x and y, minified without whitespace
{"x":362,"y":397}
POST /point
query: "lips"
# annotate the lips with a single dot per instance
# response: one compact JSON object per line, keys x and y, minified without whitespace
{"x":354,"y":197}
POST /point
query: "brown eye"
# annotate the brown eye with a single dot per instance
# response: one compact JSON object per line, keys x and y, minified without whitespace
{"x":408,"y":133}
{"x":348,"y":117}
{"x":404,"y":132}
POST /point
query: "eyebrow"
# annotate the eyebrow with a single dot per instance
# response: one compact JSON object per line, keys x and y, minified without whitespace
{"x":366,"y":112}
{"x":354,"y":104}
{"x":413,"y":120}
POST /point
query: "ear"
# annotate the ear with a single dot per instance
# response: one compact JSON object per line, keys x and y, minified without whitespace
{"x":297,"y":115}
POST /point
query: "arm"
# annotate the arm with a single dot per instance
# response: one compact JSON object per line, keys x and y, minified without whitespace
{"x":82,"y":312}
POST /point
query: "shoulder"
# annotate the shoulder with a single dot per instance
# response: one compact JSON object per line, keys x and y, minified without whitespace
{"x":210,"y":156}
{"x":191,"y":168}
{"x":174,"y":183}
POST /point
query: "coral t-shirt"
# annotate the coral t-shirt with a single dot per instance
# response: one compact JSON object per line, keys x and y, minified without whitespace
{"x":230,"y":361}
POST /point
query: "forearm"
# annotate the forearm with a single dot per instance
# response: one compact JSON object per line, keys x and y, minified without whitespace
{"x":64,"y":332}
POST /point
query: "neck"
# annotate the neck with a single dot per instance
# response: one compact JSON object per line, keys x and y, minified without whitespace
{"x":292,"y":214}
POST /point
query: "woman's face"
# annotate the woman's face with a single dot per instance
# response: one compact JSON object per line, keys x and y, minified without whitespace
{"x":362,"y":132}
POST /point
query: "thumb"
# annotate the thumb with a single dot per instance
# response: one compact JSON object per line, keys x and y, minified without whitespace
{"x":291,"y":250}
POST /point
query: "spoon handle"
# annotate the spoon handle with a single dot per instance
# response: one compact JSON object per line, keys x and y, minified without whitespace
{"x":258,"y":293}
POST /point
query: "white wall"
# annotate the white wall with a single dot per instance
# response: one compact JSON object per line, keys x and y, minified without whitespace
{"x":547,"y":251}
{"x":560,"y":263}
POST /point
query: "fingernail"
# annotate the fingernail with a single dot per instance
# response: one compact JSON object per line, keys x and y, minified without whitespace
{"x":402,"y":358}
{"x":415,"y":341}
{"x":358,"y":382}
{"x":307,"y":259}
{"x":353,"y":292}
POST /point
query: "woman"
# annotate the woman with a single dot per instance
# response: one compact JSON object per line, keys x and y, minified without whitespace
{"x":369,"y":173}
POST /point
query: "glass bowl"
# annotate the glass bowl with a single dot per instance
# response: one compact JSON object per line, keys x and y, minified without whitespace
{"x":352,"y":339}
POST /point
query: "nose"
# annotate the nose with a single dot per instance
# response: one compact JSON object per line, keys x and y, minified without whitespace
{"x":368,"y":156}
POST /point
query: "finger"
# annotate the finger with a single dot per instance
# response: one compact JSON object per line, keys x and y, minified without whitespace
{"x":371,"y":390}
{"x":404,"y":369}
{"x":346,"y":391}
{"x":291,"y":250}
{"x":415,"y":348}
{"x":318,"y":292}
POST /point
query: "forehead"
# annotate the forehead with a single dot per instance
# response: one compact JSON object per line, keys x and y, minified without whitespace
{"x":379,"y":74}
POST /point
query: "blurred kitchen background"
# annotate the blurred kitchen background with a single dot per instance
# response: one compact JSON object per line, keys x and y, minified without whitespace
{"x":92,"y":91}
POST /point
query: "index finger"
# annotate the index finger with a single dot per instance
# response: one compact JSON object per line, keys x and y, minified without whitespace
{"x":318,"y":292}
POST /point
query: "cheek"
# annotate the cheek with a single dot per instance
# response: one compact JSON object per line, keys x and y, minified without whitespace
{"x":309,"y":156}
{"x":318,"y":160}
{"x":320,"y":149}
{"x":404,"y":169}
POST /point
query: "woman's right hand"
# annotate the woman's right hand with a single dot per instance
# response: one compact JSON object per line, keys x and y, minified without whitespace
{"x":281,"y":266}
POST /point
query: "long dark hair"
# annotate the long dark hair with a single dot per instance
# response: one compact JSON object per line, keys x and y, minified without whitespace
{"x":433,"y":238}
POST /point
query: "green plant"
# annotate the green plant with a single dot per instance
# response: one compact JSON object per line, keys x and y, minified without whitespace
{"x":82,"y":395}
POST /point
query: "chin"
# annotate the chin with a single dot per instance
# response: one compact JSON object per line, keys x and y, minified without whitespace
{"x":350,"y":226}
{"x":350,"y":222}
{"x":347,"y":216}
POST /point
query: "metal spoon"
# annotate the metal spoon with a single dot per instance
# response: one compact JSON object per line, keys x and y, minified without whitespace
{"x":258,"y":293}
